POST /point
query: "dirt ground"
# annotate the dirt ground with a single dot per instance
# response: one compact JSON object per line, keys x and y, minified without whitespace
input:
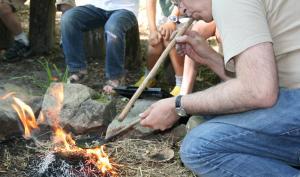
{"x":17,"y":154}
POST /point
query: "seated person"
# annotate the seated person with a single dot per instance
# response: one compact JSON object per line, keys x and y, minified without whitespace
{"x":159,"y":38}
{"x":20,"y":47}
{"x":116,"y":18}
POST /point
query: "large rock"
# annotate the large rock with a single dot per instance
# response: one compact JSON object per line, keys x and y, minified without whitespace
{"x":82,"y":110}
{"x":194,"y":121}
{"x":138,"y":131}
{"x":9,"y":120}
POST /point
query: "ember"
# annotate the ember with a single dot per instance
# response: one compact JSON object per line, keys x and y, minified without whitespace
{"x":94,"y":158}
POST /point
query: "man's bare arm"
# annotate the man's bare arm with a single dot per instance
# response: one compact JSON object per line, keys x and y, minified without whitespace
{"x":255,"y":85}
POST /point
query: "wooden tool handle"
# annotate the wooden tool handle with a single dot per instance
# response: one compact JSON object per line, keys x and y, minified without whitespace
{"x":153,"y":71}
{"x":132,"y":124}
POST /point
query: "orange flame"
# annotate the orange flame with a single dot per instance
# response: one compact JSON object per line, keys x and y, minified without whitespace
{"x":63,"y":138}
{"x":96,"y":156}
{"x":101,"y":161}
{"x":63,"y":141}
{"x":26,"y":116}
{"x":41,"y":118}
{"x":7,"y":95}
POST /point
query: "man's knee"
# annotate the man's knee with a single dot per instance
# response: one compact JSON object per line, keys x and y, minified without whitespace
{"x":5,"y":9}
{"x":68,"y":19}
{"x":203,"y":143}
{"x":116,"y":28}
{"x":193,"y":147}
{"x":113,"y":32}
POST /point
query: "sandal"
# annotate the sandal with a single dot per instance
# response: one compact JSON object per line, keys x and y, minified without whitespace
{"x":77,"y":77}
{"x":111,"y":84}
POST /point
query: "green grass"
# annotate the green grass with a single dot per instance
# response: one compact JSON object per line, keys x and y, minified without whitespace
{"x":101,"y":97}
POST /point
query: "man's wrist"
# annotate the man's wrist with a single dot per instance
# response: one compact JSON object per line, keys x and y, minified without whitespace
{"x":180,"y":111}
{"x":174,"y":19}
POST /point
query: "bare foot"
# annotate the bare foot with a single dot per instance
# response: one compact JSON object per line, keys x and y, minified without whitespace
{"x":110,"y":85}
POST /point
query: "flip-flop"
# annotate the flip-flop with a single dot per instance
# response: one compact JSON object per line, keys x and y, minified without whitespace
{"x":78,"y":77}
{"x":111,"y":84}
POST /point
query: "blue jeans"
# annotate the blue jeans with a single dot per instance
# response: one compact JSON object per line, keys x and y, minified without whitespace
{"x":258,"y":143}
{"x":84,"y":18}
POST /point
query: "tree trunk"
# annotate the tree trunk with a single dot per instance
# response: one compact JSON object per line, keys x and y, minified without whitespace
{"x":42,"y":25}
{"x":5,"y":36}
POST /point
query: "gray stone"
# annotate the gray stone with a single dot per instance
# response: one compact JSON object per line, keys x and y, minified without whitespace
{"x":82,"y":111}
{"x":178,"y":133}
{"x":9,"y":120}
{"x":138,"y":131}
{"x":193,"y":122}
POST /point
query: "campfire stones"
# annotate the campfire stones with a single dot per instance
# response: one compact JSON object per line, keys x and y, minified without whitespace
{"x":140,"y":106}
{"x":82,"y":111}
{"x":9,"y":120}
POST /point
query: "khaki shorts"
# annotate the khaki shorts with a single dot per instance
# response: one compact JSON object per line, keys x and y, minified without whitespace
{"x":68,"y":2}
{"x":15,"y":4}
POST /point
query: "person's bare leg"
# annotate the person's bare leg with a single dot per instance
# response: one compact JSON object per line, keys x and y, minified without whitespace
{"x":153,"y":55}
{"x":10,"y":19}
{"x":206,"y":30}
{"x":177,"y":62}
{"x":189,"y":76}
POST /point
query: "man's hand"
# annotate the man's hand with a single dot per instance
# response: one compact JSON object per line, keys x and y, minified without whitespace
{"x":160,"y":115}
{"x":154,"y":38}
{"x":195,"y":46}
{"x":167,"y":29}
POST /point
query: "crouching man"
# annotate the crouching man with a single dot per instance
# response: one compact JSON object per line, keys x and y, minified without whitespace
{"x":254,"y":118}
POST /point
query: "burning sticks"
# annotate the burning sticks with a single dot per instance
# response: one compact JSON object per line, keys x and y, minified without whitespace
{"x":64,"y":144}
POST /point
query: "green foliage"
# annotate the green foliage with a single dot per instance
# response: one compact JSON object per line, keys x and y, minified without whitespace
{"x":101,"y":97}
{"x":56,"y":76}
{"x":206,"y":78}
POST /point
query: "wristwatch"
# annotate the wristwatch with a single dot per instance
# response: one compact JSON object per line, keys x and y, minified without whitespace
{"x":174,"y":19}
{"x":179,"y":109}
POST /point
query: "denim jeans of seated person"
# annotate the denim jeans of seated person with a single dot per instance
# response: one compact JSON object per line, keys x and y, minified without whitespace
{"x":84,"y":18}
{"x":258,"y":143}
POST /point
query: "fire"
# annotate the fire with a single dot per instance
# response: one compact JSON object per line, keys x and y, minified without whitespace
{"x":101,"y":162}
{"x":63,"y":142}
{"x":7,"y":95}
{"x":65,"y":139}
{"x":26,"y":116}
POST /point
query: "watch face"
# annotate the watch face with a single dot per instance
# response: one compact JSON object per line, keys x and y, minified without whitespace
{"x":173,"y":18}
{"x":181,"y":112}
